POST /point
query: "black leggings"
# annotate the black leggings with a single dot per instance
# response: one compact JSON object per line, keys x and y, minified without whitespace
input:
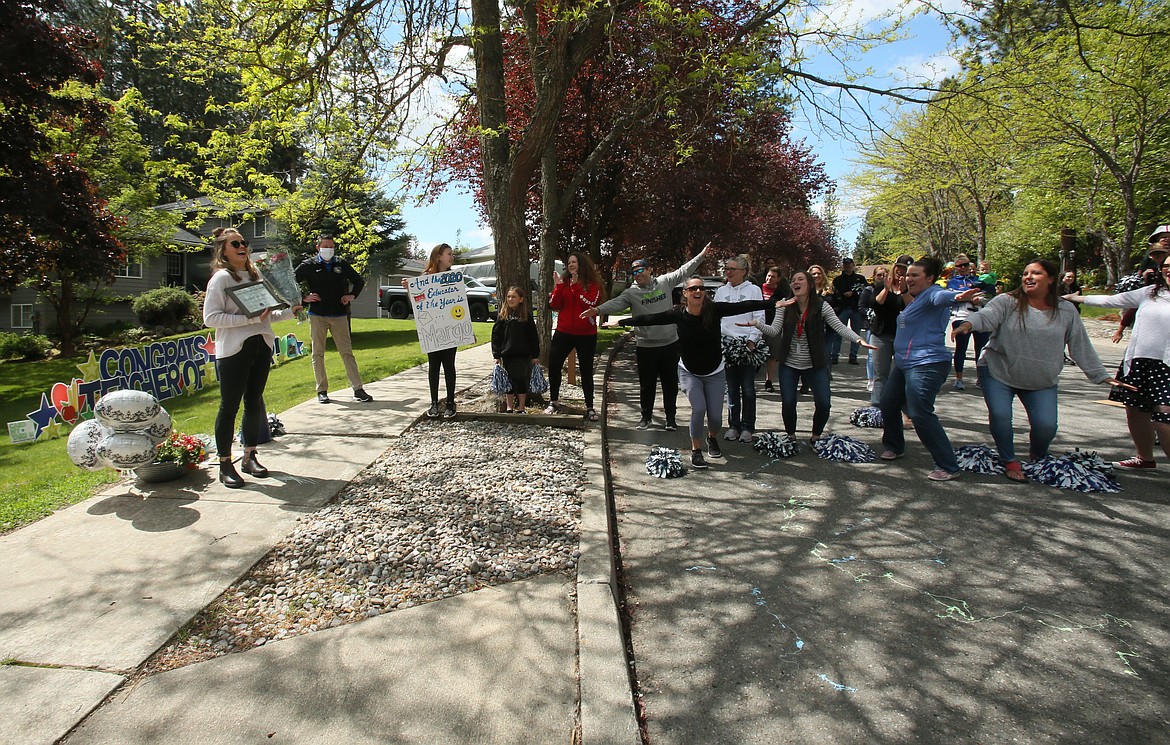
{"x":558,"y":352}
{"x":446,"y":358}
{"x":242,"y":377}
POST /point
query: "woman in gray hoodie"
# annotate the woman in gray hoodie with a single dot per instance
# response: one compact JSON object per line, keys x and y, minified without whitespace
{"x":1031,"y":327}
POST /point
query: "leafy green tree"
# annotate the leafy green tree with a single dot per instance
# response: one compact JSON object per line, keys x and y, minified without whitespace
{"x":59,"y":230}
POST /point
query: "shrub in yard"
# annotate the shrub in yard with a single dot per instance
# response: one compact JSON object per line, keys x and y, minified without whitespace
{"x":27,"y":347}
{"x":164,"y":306}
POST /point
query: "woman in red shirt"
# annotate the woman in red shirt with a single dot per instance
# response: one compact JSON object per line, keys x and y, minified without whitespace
{"x":577,"y":290}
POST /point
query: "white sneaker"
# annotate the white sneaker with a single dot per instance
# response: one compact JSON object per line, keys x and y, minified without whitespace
{"x":731,"y":434}
{"x":869,"y":386}
{"x":745,"y":436}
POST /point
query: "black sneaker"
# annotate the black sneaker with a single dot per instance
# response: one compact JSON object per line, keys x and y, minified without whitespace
{"x":449,"y":410}
{"x":433,"y":412}
{"x":670,"y":425}
{"x":361,"y":395}
{"x":697,"y":461}
{"x":643,"y":424}
{"x":322,"y":397}
{"x":769,"y":387}
{"x":713,"y":447}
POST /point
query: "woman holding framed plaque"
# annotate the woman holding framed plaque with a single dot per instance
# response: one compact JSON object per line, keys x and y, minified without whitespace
{"x":241,"y":308}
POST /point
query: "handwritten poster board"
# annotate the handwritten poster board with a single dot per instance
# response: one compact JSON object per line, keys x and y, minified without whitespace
{"x":441,"y":312}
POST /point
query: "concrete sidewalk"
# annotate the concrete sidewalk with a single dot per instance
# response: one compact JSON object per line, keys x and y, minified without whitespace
{"x":93,"y":590}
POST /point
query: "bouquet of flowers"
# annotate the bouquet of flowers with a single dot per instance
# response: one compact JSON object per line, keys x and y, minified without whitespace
{"x":276,"y":267}
{"x":187,"y":451}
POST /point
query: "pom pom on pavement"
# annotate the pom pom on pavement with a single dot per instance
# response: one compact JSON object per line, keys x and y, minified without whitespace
{"x":664,"y":463}
{"x":736,"y":352}
{"x":775,"y":445}
{"x":978,"y":459}
{"x":839,"y":447}
{"x":868,"y":416}
{"x":1077,"y":470}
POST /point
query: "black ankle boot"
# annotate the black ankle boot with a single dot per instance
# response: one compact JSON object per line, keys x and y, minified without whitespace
{"x":252,"y":466}
{"x":228,"y":475}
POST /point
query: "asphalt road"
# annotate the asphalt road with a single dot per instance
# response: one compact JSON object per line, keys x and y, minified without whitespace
{"x":812,"y":601}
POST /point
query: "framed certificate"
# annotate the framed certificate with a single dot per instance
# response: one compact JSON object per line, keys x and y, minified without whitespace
{"x":256,"y":297}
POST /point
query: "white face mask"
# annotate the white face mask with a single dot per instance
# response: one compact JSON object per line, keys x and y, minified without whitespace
{"x":326,"y":253}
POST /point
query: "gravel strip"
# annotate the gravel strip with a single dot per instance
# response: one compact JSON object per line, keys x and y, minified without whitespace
{"x":452,"y":507}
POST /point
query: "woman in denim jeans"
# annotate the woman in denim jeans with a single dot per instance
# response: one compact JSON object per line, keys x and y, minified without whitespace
{"x":1030,"y":329}
{"x":921,"y":364}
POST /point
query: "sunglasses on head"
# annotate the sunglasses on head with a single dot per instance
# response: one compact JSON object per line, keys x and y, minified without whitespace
{"x":238,"y":244}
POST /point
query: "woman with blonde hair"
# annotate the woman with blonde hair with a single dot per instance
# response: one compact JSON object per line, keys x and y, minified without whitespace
{"x":440,"y":260}
{"x":516,"y":346}
{"x":243,"y":354}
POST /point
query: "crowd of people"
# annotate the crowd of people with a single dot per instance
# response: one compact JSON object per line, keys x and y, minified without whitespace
{"x":712,"y":346}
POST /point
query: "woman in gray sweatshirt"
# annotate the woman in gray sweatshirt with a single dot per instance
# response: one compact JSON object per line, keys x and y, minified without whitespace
{"x":1031,"y":327}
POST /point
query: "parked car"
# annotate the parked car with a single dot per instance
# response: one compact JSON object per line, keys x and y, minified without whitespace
{"x":481,"y":300}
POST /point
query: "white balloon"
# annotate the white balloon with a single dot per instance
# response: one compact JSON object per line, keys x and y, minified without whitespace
{"x":83,"y":443}
{"x":126,"y":410}
{"x":159,"y":428}
{"x":126,"y":450}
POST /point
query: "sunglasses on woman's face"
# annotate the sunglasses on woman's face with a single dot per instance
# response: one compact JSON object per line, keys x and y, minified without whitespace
{"x":696,"y":288}
{"x":238,"y":244}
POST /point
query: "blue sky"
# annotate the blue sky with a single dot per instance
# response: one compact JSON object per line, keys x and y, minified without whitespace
{"x":454,"y":218}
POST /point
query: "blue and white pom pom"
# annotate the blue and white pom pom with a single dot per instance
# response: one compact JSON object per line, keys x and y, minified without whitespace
{"x":775,"y":445}
{"x":839,"y":447}
{"x":979,"y":459}
{"x":867,"y":416}
{"x":500,"y":382}
{"x":664,"y":463}
{"x":736,"y":352}
{"x":1076,"y":470}
{"x":1129,"y":282}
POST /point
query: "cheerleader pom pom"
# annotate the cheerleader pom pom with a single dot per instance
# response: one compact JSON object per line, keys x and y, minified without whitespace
{"x":978,"y":459}
{"x":839,"y":447}
{"x":868,"y":416}
{"x":1089,"y":459}
{"x":1076,"y":471}
{"x":500,"y":382}
{"x":664,"y":463}
{"x":736,"y":352}
{"x":1129,"y":282}
{"x":773,"y":445}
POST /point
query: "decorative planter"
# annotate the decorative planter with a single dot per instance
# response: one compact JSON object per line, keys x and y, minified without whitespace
{"x":157,"y":472}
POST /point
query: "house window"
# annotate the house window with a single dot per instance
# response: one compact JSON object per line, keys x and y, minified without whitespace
{"x":132,"y":270}
{"x":263,"y":224}
{"x":22,"y":316}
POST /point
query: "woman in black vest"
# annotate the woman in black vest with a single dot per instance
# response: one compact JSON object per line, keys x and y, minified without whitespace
{"x":800,"y":321}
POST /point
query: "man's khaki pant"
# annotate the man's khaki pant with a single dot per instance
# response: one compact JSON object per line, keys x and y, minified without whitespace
{"x":338,"y":326}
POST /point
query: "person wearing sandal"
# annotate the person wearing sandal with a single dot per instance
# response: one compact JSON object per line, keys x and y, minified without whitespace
{"x":800,"y":325}
{"x":1029,"y":330}
{"x":700,"y":367}
{"x":516,"y":346}
{"x":1146,"y":366}
{"x":576,"y":291}
{"x":243,"y":354}
{"x":921,"y":364}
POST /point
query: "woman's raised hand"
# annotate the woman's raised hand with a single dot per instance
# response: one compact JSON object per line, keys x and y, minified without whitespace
{"x":969,"y":296}
{"x":785,"y":303}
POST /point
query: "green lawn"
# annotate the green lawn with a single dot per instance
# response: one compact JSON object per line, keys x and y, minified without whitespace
{"x":38,"y":478}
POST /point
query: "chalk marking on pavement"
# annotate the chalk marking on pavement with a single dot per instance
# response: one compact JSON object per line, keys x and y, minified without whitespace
{"x":701,"y":569}
{"x":956,"y":609}
{"x":761,"y":603}
{"x":835,"y":684}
